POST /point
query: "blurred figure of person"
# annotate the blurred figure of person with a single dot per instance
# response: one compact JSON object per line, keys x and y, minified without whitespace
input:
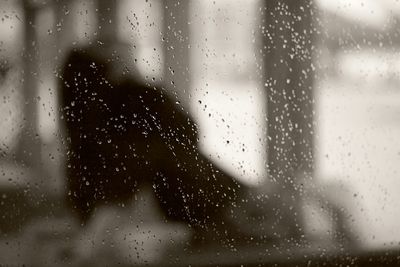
{"x":123,"y":132}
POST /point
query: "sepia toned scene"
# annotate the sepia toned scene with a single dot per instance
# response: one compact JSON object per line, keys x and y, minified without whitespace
{"x":199,"y":133}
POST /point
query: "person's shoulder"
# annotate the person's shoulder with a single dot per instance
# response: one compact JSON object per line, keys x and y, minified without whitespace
{"x":78,"y":52}
{"x":77,"y":59}
{"x":144,"y":89}
{"x":83,"y":55}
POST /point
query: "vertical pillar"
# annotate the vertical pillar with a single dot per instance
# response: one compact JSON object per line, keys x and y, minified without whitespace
{"x":287,"y":50}
{"x":107,"y":20}
{"x":29,"y":147}
{"x":64,"y":34}
{"x":64,"y":30}
{"x":176,"y":49}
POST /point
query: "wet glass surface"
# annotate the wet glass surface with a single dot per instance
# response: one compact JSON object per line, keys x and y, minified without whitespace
{"x":199,"y":133}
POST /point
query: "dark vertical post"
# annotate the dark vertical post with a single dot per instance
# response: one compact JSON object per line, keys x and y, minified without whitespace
{"x":107,"y":20}
{"x":176,"y":49}
{"x":64,"y":30}
{"x":287,"y":50}
{"x":64,"y":33}
{"x":29,"y":147}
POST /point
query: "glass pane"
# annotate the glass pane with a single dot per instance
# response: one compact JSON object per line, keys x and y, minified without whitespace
{"x":211,"y":133}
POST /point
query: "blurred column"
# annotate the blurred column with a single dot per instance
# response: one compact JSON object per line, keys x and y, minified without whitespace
{"x":107,"y":20}
{"x":176,"y":49}
{"x":64,"y":31}
{"x":287,"y":35}
{"x":29,"y":147}
{"x":63,"y":35}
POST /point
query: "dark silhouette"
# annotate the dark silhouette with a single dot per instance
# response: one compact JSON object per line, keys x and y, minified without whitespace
{"x":122,"y":133}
